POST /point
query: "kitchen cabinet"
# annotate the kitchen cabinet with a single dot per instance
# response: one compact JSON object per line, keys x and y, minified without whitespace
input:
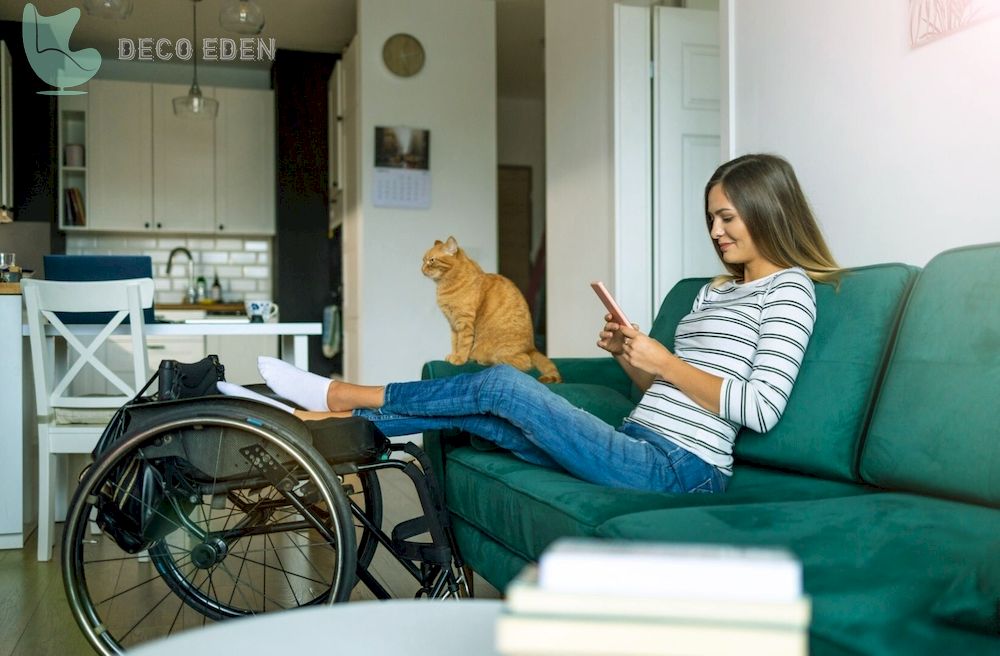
{"x":183,"y":165}
{"x":244,"y":162}
{"x":120,"y":157}
{"x":148,"y":170}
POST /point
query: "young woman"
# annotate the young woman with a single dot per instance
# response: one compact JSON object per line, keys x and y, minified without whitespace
{"x":735,"y":359}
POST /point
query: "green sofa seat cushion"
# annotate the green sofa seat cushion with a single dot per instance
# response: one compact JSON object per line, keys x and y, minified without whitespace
{"x":935,"y":429}
{"x":874,"y":564}
{"x":526,"y":507}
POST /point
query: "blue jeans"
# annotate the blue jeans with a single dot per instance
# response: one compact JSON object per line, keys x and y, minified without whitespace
{"x":516,"y":412}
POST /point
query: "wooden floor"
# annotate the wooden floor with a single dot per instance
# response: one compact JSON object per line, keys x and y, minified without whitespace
{"x":35,"y":618}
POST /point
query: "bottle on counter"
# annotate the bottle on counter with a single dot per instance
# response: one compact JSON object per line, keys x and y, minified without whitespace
{"x":200,"y":290}
{"x":216,"y":289}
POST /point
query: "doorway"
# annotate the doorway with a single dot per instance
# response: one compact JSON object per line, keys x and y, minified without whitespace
{"x":514,"y":228}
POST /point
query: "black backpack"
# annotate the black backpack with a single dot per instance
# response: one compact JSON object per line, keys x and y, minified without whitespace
{"x":133,"y":506}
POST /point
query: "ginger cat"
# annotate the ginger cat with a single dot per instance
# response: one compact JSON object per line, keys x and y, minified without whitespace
{"x":489,"y":317}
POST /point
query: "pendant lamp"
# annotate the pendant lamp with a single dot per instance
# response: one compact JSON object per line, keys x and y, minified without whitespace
{"x":195,"y":104}
{"x":114,"y":9}
{"x":242,"y":17}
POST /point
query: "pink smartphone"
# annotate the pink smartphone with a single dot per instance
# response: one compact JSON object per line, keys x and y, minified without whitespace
{"x":609,"y":302}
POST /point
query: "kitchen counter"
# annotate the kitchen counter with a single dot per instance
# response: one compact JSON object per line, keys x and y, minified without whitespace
{"x":214,"y":308}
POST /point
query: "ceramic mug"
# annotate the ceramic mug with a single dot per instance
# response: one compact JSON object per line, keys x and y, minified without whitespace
{"x":260,"y":311}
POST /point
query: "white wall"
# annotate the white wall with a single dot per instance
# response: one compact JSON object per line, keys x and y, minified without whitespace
{"x":454,"y":96}
{"x":521,"y":142}
{"x":579,"y":170}
{"x":895,"y":147}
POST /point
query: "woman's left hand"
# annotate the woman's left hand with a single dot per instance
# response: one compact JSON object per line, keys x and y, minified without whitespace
{"x":643,"y":352}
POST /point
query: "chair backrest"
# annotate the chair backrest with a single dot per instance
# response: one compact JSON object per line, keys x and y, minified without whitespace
{"x":125,"y":298}
{"x":821,"y":430}
{"x":934,"y":430}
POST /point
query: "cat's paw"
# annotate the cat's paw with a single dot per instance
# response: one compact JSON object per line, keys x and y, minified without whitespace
{"x":455,"y":358}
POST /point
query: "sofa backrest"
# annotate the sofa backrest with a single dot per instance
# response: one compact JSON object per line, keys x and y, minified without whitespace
{"x":828,"y":411}
{"x":935,"y":428}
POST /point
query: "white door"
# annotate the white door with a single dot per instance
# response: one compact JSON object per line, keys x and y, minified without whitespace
{"x":687,"y":145}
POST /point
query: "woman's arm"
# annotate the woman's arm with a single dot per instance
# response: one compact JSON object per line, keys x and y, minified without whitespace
{"x":653,"y":360}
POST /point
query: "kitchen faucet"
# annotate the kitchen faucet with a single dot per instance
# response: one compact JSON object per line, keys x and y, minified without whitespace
{"x":190,"y":296}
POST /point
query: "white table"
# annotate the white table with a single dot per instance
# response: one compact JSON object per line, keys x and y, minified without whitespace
{"x":18,"y":439}
{"x":410,"y":627}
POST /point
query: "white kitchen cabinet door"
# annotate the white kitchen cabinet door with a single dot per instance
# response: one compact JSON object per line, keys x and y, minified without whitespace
{"x":120,"y":155}
{"x":183,"y":165}
{"x":244,"y":162}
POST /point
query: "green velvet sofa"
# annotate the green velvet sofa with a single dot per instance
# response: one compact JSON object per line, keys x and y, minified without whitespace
{"x":883,"y":475}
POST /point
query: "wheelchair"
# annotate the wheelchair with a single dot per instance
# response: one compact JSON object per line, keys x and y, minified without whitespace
{"x":214,"y":508}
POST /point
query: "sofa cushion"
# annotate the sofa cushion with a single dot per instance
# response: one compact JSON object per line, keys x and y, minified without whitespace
{"x":873,"y":564}
{"x":934,"y":429}
{"x":973,"y":599}
{"x":606,"y":404}
{"x":827,"y":413}
{"x":526,"y":507}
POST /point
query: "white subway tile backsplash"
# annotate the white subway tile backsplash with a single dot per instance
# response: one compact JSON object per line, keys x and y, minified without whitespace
{"x":243,"y":266}
{"x":213,"y":257}
{"x":171,"y":242}
{"x":201,"y":244}
{"x":228,"y":244}
{"x":242,"y":285}
{"x":256,"y":272}
{"x":243,"y":258}
{"x":141,"y":243}
{"x":169,"y":297}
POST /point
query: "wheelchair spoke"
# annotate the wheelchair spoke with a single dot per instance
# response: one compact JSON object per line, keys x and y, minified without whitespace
{"x":291,"y":587}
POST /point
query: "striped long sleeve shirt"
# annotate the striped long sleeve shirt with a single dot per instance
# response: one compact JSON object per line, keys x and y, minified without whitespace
{"x":753,"y":336}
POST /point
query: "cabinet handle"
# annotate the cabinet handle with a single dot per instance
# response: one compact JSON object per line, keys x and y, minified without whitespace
{"x":155,"y":347}
{"x":222,"y":227}
{"x":159,"y":225}
{"x":146,"y":224}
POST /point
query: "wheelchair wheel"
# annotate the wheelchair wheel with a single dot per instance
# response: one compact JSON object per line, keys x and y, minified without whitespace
{"x":241,"y":517}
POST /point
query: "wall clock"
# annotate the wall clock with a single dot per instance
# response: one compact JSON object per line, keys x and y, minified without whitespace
{"x":403,"y":54}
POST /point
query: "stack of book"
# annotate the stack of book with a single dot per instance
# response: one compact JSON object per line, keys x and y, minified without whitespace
{"x":76,"y":213}
{"x":597,"y":598}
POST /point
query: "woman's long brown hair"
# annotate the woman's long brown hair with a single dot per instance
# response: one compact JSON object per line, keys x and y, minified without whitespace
{"x":767,"y":195}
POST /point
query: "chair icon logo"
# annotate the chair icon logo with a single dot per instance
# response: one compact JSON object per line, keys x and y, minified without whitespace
{"x":46,"y":43}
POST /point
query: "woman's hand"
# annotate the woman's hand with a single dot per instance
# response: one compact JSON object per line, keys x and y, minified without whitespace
{"x":611,"y":338}
{"x":643,"y":352}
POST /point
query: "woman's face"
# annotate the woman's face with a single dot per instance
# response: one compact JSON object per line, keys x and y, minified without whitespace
{"x":728,"y":230}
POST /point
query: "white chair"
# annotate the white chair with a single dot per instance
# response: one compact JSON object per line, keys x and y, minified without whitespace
{"x":71,"y":420}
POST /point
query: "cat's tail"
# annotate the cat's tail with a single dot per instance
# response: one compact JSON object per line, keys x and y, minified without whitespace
{"x":548,"y":368}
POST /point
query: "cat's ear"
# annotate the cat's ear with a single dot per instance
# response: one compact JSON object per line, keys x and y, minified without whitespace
{"x":438,"y":242}
{"x":451,"y":246}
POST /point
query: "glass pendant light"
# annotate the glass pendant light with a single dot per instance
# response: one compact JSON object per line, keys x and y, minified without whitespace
{"x":195,"y":104}
{"x":242,"y":17}
{"x":115,"y":9}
